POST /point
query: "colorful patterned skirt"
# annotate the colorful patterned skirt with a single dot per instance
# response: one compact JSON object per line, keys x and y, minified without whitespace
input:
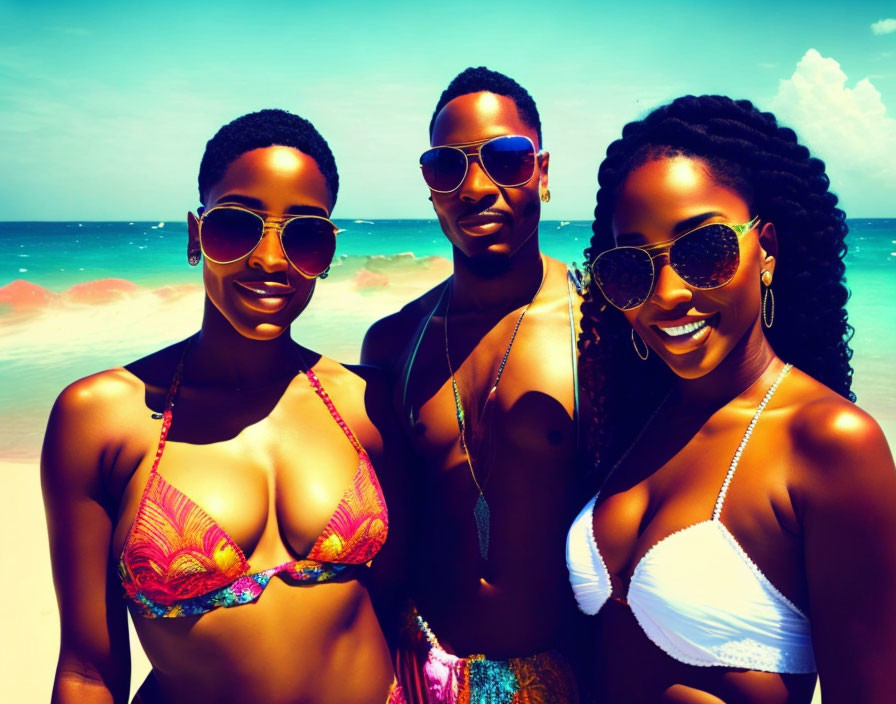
{"x":431,"y":675}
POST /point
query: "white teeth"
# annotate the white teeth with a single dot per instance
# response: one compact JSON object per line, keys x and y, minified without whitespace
{"x":686,"y":329}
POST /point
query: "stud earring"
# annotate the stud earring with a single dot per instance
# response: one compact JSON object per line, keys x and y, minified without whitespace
{"x":635,"y":338}
{"x":546,"y":195}
{"x":766,"y":278}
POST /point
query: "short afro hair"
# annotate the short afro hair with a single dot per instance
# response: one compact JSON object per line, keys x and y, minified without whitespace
{"x":481,"y":79}
{"x":257,"y":130}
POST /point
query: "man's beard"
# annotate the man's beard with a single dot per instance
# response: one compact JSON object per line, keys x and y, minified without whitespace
{"x":490,"y":266}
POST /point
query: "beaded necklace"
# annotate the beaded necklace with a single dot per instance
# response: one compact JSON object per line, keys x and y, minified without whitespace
{"x":481,"y":511}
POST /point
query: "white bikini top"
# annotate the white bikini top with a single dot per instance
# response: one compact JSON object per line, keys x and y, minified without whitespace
{"x":697,"y":594}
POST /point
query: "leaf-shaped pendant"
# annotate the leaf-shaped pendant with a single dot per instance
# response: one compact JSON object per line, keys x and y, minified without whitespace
{"x":481,"y":515}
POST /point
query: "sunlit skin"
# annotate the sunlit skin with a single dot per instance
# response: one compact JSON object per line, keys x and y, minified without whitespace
{"x":255,"y":447}
{"x":480,"y":218}
{"x":666,"y":198}
{"x":516,"y":602}
{"x":275,"y":173}
{"x":810,"y":503}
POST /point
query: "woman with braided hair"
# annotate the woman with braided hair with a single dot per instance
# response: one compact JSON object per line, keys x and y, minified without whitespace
{"x":742,"y":537}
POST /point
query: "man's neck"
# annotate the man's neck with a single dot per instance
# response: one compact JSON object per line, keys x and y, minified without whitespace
{"x":500,"y":285}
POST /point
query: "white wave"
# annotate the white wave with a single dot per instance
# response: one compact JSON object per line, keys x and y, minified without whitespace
{"x":144,"y":320}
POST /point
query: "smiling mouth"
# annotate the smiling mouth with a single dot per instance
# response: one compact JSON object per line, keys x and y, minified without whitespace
{"x":265,"y":295}
{"x":687,"y":329}
{"x":687,"y":335}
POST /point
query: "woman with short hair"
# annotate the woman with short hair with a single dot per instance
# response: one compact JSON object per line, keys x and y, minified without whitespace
{"x":224,"y":487}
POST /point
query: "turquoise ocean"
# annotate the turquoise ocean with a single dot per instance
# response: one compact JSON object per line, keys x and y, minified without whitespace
{"x":79,"y":297}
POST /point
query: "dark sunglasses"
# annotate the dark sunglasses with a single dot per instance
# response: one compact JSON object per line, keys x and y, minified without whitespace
{"x":508,"y":160}
{"x":227,"y":233}
{"x":705,"y":258}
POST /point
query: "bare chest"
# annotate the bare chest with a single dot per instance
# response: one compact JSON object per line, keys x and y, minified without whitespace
{"x":519,"y":403}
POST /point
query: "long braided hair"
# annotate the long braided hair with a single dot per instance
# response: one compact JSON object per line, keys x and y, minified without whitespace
{"x":746,"y":150}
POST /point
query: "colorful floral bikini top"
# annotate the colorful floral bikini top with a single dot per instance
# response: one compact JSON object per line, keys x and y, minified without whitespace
{"x":177,"y":561}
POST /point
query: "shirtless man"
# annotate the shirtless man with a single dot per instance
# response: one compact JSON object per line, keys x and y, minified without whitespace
{"x":484,"y":367}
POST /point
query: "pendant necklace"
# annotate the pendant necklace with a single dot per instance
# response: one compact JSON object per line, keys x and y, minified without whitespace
{"x":481,"y":512}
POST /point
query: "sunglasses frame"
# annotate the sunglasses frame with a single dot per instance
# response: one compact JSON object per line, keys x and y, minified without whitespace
{"x":477,"y":152}
{"x":654,"y":251}
{"x":265,"y":218}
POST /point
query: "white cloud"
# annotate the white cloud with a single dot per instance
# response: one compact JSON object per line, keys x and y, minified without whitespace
{"x":887,"y":26}
{"x":846,"y":127}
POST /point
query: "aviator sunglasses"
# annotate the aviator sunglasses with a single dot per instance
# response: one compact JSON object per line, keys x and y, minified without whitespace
{"x":508,"y":160}
{"x":227,"y":233}
{"x":706,"y":257}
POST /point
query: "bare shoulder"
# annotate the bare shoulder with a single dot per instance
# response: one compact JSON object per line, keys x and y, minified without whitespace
{"x":97,"y":396}
{"x":94,"y":418}
{"x":349,"y":385}
{"x":113,"y":393}
{"x":386,"y":340}
{"x":564,"y":272}
{"x":89,"y":424}
{"x":338,"y":378}
{"x":835,"y":439}
{"x":361,"y":393}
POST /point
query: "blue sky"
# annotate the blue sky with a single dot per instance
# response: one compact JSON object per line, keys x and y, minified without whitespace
{"x":105,"y":108}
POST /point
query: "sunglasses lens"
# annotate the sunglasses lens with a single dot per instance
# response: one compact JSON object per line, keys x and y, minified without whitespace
{"x":509,"y":161}
{"x":443,"y":168}
{"x":310,"y":244}
{"x":228,"y":234}
{"x":707,"y":257}
{"x":624,"y":275}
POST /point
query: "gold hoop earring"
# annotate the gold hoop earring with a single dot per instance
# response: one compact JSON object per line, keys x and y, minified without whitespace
{"x":768,"y":307}
{"x":546,"y":195}
{"x":642,"y":357}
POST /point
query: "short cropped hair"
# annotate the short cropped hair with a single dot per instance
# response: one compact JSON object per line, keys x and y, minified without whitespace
{"x":257,"y":130}
{"x":481,"y":79}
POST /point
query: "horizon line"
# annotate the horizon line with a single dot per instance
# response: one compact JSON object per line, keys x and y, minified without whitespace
{"x":367,"y":219}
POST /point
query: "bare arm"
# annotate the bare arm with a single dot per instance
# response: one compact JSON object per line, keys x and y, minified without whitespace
{"x":389,"y":573}
{"x":849,"y":522}
{"x":94,"y":660}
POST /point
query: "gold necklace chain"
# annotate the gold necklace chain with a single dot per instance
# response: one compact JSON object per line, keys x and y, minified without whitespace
{"x":481,"y":512}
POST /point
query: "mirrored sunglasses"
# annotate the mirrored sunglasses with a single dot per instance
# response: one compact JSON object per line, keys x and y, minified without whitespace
{"x":704,"y":258}
{"x":508,"y":160}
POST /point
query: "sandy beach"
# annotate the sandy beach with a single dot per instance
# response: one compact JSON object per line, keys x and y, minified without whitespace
{"x":30,"y":640}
